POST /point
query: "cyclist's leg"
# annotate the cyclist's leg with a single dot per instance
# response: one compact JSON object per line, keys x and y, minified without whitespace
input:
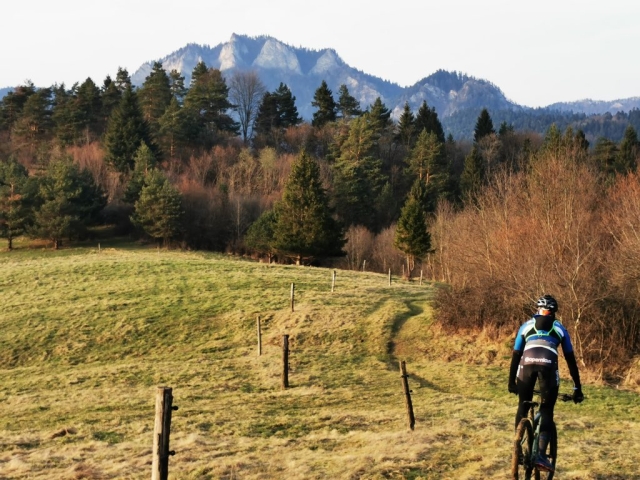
{"x":549,"y":384}
{"x":526,"y":382}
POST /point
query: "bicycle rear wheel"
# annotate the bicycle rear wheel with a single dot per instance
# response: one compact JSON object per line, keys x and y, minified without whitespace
{"x":521,"y":466}
{"x":552,"y":454}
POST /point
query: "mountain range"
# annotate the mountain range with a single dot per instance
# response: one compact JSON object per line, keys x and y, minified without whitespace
{"x":458,"y":98}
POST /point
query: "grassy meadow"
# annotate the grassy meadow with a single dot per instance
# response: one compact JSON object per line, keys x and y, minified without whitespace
{"x":87,"y":334}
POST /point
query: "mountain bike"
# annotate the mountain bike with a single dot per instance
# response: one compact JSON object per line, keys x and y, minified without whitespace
{"x":525,"y":445}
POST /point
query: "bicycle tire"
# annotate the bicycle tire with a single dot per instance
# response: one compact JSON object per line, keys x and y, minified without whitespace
{"x":552,"y":455}
{"x":521,"y":466}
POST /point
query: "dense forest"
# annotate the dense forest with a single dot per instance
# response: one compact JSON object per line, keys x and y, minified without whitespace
{"x":223,"y":164}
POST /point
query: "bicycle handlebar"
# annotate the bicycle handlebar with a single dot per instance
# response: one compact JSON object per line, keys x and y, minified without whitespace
{"x":565,"y":397}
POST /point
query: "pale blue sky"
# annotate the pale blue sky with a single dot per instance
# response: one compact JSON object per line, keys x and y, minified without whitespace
{"x":538,"y":52}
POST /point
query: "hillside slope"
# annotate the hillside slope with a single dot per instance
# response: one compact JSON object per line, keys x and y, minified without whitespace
{"x":86,"y":336}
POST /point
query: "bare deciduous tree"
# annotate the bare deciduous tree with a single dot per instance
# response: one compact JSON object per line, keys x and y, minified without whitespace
{"x":245,"y":92}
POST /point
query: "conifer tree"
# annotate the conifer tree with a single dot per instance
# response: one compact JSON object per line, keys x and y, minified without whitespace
{"x":260,"y":235}
{"x":627,"y":160}
{"x":405,"y":130}
{"x":154,"y":96}
{"x":109,"y":99}
{"x":472,"y":177}
{"x":173,"y":128}
{"x":90,"y":107}
{"x":286,"y":106}
{"x":605,"y":154}
{"x":358,"y":178}
{"x":66,"y":116}
{"x":12,"y":104}
{"x":428,"y":163}
{"x":379,"y":115}
{"x":158,"y":210}
{"x":326,"y":105}
{"x":484,"y":126}
{"x":347,"y":105}
{"x":412,"y":237}
{"x":427,"y":119}
{"x":14,"y":201}
{"x":34,"y":122}
{"x":125,"y":133}
{"x":305,"y":227}
{"x":176,"y":84}
{"x":207,"y":100}
{"x":144,"y":163}
{"x":69,"y":201}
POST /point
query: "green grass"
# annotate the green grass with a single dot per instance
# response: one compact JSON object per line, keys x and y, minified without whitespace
{"x":87,"y":336}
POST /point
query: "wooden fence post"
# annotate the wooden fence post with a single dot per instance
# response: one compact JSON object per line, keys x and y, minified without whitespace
{"x":161,"y":432}
{"x":333,"y":281}
{"x":293,"y":289}
{"x":407,"y":395}
{"x":259,"y":335}
{"x":364,"y":265}
{"x":389,"y":277}
{"x":285,"y":362}
{"x":420,"y":277}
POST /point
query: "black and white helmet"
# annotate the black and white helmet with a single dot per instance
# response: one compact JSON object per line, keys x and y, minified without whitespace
{"x":548,"y":303}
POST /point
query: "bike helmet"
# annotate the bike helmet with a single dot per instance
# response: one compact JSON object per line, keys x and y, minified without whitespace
{"x":547,"y":302}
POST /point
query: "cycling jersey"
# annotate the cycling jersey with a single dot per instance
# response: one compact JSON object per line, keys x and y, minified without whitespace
{"x":538,"y":340}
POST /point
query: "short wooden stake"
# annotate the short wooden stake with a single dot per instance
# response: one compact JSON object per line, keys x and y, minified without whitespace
{"x":162,"y":430}
{"x":407,"y":395}
{"x":364,"y":265}
{"x":293,"y":290}
{"x":98,"y":247}
{"x":285,"y":362}
{"x":420,"y":277}
{"x":259,"y":335}
{"x":333,"y":281}
{"x":389,"y":277}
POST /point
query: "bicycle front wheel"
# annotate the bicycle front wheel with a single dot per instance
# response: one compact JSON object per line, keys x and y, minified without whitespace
{"x":552,"y":455}
{"x":521,"y":465}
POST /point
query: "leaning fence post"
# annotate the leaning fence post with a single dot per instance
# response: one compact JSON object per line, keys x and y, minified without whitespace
{"x":259,"y":335}
{"x":407,"y":395}
{"x":293,"y":289}
{"x":285,"y":361}
{"x":161,"y":432}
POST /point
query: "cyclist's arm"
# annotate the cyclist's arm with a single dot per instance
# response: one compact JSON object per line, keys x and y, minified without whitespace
{"x":518,"y":348}
{"x":570,"y":357}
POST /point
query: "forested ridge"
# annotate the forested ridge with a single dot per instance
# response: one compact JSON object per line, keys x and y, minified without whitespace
{"x":223,"y":164}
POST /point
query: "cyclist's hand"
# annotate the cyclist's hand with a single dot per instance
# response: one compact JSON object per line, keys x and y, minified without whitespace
{"x":577,"y":395}
{"x":513,"y":388}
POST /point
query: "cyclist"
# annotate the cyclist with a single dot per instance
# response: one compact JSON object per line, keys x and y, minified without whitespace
{"x":535,"y":357}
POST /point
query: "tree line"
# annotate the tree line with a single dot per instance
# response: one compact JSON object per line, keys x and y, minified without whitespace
{"x":224,"y":164}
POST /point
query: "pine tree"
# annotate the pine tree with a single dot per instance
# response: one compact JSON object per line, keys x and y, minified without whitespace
{"x":326,"y":105}
{"x":428,"y":163}
{"x":605,"y":154}
{"x":427,"y":119}
{"x":412,"y":237}
{"x":123,"y":80}
{"x":158,"y":211}
{"x":12,"y":104}
{"x":484,"y":126}
{"x":109,"y":99}
{"x":173,"y":128}
{"x":144,"y":163}
{"x":176,"y":84}
{"x":473,"y":174}
{"x":154,"y":96}
{"x":358,"y":177}
{"x":405,"y":130}
{"x":286,"y":107}
{"x":260,"y":235}
{"x":305,"y":227}
{"x":125,"y":132}
{"x":15,"y":213}
{"x":90,"y":107}
{"x":207,"y":100}
{"x":627,"y":160}
{"x":347,"y":105}
{"x":379,"y":115}
{"x":34,"y":122}
{"x":66,"y":116}
{"x":69,"y":201}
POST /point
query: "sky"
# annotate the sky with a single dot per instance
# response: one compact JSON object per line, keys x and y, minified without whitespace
{"x":537,"y":52}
